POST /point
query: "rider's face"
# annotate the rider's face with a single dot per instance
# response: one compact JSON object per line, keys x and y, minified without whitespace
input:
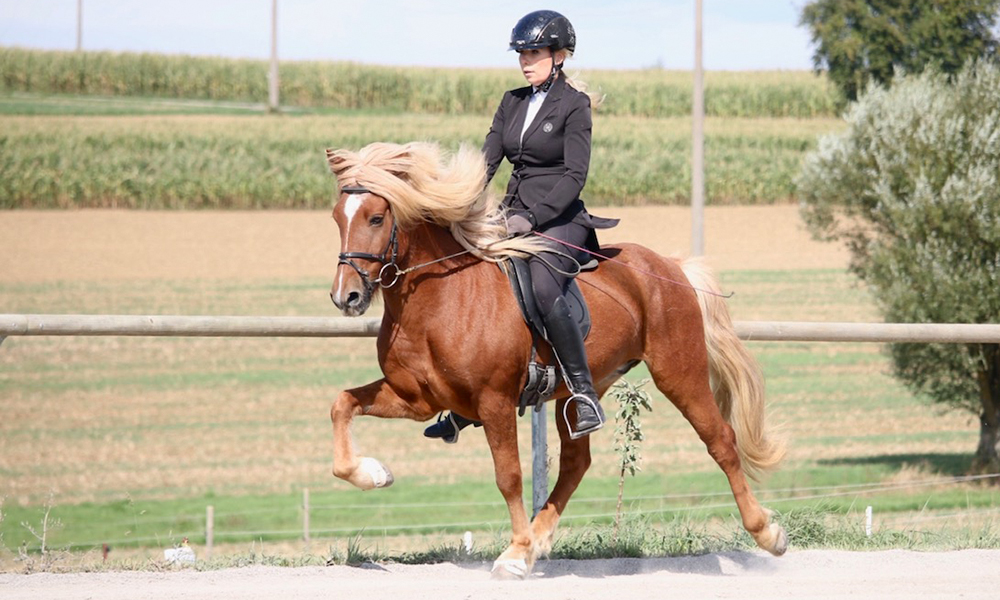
{"x":536,"y":65}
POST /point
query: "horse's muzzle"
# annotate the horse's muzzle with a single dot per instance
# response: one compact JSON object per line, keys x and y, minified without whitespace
{"x":354,"y":304}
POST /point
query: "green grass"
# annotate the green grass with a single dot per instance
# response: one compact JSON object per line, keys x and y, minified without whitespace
{"x":414,"y":508}
{"x":33,"y":104}
{"x":134,"y":437}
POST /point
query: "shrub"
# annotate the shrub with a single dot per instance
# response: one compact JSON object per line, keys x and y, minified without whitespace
{"x":912,"y":188}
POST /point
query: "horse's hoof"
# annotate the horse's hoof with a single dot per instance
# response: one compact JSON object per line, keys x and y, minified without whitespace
{"x":376,"y":475}
{"x":509,"y":569}
{"x":780,"y":540}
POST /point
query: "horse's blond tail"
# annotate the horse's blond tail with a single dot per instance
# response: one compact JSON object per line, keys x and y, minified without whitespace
{"x":737,"y":379}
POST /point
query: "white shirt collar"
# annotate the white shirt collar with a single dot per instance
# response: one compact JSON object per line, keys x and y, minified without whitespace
{"x":534,"y":103}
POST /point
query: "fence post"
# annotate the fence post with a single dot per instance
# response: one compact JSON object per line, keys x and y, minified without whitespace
{"x":209,"y":530}
{"x":539,"y":461}
{"x":305,"y":517}
{"x":272,"y":83}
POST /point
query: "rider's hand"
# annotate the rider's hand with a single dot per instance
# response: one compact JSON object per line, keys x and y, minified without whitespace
{"x":517,"y":225}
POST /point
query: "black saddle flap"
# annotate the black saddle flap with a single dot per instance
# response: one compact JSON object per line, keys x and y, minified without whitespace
{"x":520,"y":280}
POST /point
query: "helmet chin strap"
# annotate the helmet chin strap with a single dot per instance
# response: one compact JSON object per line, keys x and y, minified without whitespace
{"x":552,"y":76}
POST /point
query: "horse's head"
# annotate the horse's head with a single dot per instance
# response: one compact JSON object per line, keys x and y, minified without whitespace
{"x":386,"y":188}
{"x":369,"y":246}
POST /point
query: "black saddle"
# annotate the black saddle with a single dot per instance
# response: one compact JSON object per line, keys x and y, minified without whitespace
{"x":542,"y":379}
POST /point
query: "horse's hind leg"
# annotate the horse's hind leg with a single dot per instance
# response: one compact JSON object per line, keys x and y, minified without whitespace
{"x":690,"y":392}
{"x":574,"y":460}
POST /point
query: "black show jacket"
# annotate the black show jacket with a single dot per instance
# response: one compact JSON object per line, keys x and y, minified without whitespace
{"x":551,"y":163}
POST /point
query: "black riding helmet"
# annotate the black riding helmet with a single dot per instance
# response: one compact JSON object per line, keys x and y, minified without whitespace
{"x":544,"y":29}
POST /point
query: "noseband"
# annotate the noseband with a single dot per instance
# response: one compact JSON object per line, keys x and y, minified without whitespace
{"x":387,"y":257}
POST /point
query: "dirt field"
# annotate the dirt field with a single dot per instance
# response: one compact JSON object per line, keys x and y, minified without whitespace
{"x":37,"y":246}
{"x":903,"y":575}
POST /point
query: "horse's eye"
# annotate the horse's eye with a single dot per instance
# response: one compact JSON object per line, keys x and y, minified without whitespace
{"x":376,"y":220}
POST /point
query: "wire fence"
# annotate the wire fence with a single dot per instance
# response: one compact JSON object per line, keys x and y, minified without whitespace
{"x":204,"y":528}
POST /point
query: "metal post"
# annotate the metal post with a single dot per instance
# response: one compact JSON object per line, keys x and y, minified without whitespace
{"x":539,"y":461}
{"x":209,"y":530}
{"x":79,"y":25}
{"x":273,"y":78}
{"x":305,"y":517}
{"x":698,"y":143}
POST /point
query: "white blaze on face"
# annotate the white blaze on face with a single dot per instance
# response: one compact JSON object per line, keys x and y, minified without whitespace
{"x":351,"y":206}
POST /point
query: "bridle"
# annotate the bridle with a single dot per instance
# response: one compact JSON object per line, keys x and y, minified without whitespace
{"x":387,"y":258}
{"x":390,"y":269}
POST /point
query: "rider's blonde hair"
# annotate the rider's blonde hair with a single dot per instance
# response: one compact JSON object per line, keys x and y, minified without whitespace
{"x":574,"y":82}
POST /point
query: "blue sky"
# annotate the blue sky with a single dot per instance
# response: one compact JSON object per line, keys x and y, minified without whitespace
{"x":612,"y":34}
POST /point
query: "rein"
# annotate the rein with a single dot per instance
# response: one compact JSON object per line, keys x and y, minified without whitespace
{"x":389,"y":260}
{"x":643,"y":271}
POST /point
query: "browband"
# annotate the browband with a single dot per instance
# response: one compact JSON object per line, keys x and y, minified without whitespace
{"x":354,"y":189}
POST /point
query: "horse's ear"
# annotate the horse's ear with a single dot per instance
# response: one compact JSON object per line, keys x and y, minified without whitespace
{"x":400,"y":163}
{"x":334,"y":159}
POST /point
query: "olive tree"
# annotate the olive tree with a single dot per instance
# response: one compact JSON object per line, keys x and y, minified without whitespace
{"x":912,"y":187}
{"x":857,"y":41}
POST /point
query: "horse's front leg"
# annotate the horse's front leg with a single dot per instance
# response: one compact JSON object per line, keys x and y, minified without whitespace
{"x":376,"y":399}
{"x":501,"y":434}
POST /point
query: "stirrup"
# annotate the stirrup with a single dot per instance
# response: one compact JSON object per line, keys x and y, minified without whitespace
{"x":574,"y":435}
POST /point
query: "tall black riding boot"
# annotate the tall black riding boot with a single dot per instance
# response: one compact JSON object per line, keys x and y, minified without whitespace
{"x":567,"y":342}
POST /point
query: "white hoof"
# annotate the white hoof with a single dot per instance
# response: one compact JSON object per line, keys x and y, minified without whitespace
{"x":509,"y":569}
{"x":780,"y":540}
{"x":372,"y":474}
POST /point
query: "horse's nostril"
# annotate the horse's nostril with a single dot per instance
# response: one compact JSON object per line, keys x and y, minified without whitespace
{"x":353,"y":299}
{"x":333,"y":298}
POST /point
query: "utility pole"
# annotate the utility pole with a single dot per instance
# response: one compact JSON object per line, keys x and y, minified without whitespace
{"x":273,"y":78}
{"x":79,"y":25}
{"x":698,"y":143}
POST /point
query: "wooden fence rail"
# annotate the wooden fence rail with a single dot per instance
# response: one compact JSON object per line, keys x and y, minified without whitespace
{"x":175,"y":325}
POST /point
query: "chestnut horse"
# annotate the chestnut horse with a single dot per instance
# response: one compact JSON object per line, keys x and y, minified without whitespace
{"x":422,"y":228}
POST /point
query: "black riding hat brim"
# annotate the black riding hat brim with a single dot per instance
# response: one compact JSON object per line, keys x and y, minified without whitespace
{"x":530,"y":46}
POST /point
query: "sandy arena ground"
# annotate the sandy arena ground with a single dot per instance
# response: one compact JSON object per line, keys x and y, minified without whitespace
{"x":87,"y":245}
{"x":897,"y":574}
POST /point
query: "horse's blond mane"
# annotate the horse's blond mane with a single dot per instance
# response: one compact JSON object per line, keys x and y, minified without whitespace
{"x":422,"y":185}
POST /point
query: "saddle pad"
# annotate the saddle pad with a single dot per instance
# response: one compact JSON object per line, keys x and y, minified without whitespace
{"x":520,"y":281}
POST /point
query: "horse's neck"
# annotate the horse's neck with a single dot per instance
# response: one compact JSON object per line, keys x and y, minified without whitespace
{"x":420,"y":247}
{"x":425,"y":243}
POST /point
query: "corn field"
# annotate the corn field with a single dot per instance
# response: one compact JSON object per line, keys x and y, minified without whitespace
{"x":339,"y":85}
{"x":266,"y":161}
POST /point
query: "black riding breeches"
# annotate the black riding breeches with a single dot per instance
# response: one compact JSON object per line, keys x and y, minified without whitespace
{"x":552,"y":271}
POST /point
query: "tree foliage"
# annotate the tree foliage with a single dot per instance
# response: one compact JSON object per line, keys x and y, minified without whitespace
{"x":913,"y":188}
{"x":858,"y":41}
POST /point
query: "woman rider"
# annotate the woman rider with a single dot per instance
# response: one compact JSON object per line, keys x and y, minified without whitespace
{"x":544,"y":130}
